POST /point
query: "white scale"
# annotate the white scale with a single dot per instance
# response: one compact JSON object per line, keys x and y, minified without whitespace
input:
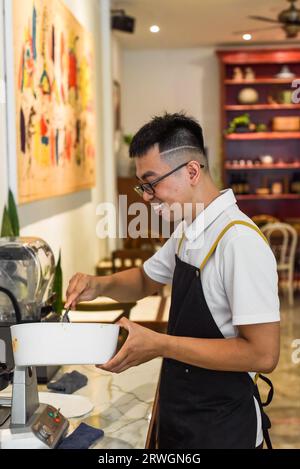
{"x":27,"y":269}
{"x":29,"y":424}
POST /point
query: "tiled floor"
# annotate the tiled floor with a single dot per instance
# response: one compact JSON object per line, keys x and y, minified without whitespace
{"x":284,"y":411}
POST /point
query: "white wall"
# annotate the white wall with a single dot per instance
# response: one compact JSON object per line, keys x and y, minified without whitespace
{"x":3,"y":161}
{"x":172,"y":80}
{"x":69,"y":222}
{"x":116,"y":58}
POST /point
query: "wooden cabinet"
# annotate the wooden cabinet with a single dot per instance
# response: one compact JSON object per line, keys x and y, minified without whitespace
{"x":261,"y":188}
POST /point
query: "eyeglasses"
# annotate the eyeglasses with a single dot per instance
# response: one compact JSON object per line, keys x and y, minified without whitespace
{"x":148,"y":187}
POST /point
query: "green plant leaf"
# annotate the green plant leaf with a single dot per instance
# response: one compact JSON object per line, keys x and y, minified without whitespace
{"x":13,"y":214}
{"x":6,"y":228}
{"x":127,"y":139}
{"x":58,"y":286}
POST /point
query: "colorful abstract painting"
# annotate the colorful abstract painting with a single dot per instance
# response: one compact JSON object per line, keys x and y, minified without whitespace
{"x":54,"y":68}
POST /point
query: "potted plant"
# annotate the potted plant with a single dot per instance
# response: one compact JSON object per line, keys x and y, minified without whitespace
{"x":10,"y":227}
{"x":124,"y":163}
{"x":240,"y":124}
{"x":10,"y":221}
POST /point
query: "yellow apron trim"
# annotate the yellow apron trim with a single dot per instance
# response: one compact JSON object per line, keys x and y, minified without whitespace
{"x":235,"y":222}
{"x":212,"y":249}
{"x":180,"y":244}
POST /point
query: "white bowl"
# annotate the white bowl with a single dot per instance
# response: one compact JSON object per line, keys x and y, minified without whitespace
{"x":63,"y":343}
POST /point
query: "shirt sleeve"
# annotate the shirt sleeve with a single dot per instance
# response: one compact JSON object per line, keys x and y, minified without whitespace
{"x":250,"y":279}
{"x":160,"y":267}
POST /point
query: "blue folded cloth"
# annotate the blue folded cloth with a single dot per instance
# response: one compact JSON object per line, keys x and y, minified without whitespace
{"x":69,"y":382}
{"x":81,"y":438}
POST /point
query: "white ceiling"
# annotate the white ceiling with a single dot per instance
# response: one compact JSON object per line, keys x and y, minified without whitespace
{"x":196,"y":23}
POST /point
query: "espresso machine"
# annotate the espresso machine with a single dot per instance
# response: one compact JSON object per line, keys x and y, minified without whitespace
{"x":27,"y":270}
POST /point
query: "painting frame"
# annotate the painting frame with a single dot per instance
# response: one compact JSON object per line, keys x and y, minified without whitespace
{"x":76,"y":135}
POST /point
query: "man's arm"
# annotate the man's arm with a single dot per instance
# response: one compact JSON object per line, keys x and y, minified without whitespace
{"x":129,"y":285}
{"x":256,"y":349}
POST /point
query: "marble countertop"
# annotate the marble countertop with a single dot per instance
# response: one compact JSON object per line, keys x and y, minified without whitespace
{"x":122,"y":403}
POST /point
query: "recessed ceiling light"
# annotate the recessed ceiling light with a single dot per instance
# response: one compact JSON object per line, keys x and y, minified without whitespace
{"x":154,"y":28}
{"x":247,"y":37}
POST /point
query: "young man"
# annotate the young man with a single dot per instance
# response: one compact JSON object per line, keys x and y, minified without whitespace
{"x":224,"y":317}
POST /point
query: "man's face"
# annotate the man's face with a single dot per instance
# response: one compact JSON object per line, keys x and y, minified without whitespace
{"x":174,"y":189}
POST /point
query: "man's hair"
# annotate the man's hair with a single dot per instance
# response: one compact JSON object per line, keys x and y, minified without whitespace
{"x":168,"y":131}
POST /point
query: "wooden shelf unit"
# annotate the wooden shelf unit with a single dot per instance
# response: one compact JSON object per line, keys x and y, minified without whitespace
{"x":283,"y":146}
{"x":261,"y":167}
{"x":264,"y":136}
{"x":268,"y":197}
{"x":261,"y":107}
{"x":262,"y":81}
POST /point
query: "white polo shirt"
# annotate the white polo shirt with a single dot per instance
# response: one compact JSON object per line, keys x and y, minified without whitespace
{"x":240,"y":281}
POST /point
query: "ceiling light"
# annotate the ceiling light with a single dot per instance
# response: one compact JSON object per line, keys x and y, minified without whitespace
{"x":247,"y":37}
{"x":154,"y":28}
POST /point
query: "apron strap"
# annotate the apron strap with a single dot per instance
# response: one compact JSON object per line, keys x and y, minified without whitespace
{"x":267,"y":439}
{"x":212,"y":249}
{"x":266,"y":423}
{"x":271,"y":391}
{"x":180,"y":244}
{"x":214,"y":246}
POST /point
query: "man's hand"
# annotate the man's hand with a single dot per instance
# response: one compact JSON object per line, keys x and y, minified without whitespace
{"x":127,"y":286}
{"x":142,"y":345}
{"x":82,"y":287}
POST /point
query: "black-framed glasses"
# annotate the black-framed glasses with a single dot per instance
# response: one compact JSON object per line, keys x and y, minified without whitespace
{"x":148,"y":187}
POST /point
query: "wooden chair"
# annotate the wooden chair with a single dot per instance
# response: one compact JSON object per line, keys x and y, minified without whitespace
{"x":104,"y":267}
{"x":152,"y":312}
{"x":123,"y":259}
{"x":150,"y":242}
{"x":263,"y":219}
{"x":107,"y":305}
{"x":283,"y":241}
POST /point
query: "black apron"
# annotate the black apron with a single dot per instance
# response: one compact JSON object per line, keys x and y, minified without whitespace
{"x":201,"y":408}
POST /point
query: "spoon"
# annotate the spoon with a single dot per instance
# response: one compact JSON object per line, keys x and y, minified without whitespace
{"x":65,"y":317}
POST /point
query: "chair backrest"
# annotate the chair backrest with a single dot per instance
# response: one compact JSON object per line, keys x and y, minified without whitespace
{"x":123,"y":259}
{"x":150,"y":242}
{"x":283,"y":241}
{"x":263,"y":219}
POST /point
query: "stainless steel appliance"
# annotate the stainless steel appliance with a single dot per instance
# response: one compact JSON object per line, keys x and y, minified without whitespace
{"x":26,"y":281}
{"x":27,"y":269}
{"x":25,"y":422}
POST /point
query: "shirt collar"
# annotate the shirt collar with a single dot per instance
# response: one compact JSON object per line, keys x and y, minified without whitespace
{"x":209,"y":214}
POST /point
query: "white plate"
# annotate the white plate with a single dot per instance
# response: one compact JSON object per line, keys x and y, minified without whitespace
{"x":70,"y":405}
